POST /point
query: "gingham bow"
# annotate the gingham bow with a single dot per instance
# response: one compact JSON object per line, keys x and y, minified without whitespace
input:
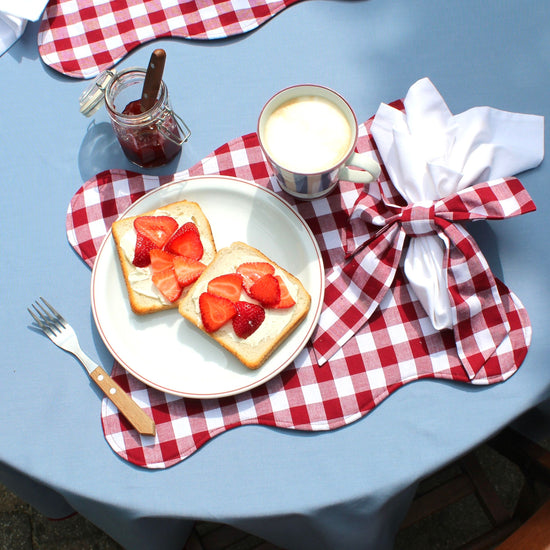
{"x":355,"y":289}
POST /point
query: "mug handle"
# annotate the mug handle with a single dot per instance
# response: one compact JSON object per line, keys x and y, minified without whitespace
{"x":369,"y":173}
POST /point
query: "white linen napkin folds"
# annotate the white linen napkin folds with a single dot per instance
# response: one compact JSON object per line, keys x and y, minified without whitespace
{"x":430,"y":153}
{"x":14,"y":15}
{"x":447,"y":168}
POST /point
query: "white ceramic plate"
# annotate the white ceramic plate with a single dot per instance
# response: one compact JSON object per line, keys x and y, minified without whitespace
{"x":163,"y":349}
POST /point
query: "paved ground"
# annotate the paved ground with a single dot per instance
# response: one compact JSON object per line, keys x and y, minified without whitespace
{"x":22,"y":528}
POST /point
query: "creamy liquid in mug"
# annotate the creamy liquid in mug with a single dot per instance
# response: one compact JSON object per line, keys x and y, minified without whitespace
{"x":307,"y":134}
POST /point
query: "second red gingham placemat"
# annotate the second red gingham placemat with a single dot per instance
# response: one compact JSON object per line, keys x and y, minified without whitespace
{"x":397,"y":346}
{"x":82,"y":38}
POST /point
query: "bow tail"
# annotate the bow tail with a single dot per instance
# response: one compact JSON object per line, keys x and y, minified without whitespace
{"x":354,"y":290}
{"x":480,"y":323}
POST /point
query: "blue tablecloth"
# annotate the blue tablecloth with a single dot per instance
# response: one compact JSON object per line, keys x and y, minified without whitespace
{"x":349,"y":488}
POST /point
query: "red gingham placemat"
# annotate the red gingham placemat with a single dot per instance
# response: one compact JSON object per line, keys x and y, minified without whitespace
{"x":82,"y":38}
{"x":398,"y":344}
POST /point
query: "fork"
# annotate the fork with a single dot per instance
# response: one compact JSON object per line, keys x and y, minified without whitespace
{"x":54,"y":326}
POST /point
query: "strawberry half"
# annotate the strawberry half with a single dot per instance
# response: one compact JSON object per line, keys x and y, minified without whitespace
{"x":229,"y":286}
{"x":248,"y":318}
{"x":163,"y":274}
{"x":187,"y":270}
{"x":215,"y":311}
{"x":186,"y":241}
{"x":286,"y":299}
{"x":266,"y":290}
{"x":167,"y":284}
{"x":143,"y":248}
{"x":157,"y":229}
{"x":252,"y":271}
{"x":161,"y":260}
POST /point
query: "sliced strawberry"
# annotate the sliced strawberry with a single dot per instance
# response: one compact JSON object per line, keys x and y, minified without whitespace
{"x":190,"y":226}
{"x":286,"y":299}
{"x":163,"y":274}
{"x":187,"y":270}
{"x":157,"y":229}
{"x":165,"y":280}
{"x":229,"y":286}
{"x":143,"y":248}
{"x":248,"y":319}
{"x":252,"y":271}
{"x":215,"y":311}
{"x":186,"y":241}
{"x":161,"y":260}
{"x":266,"y":290}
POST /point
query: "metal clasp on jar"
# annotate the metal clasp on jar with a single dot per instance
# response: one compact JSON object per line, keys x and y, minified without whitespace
{"x":170,"y":118}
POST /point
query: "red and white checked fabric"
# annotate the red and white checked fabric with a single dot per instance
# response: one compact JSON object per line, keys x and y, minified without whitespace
{"x":355,"y":289}
{"x":397,"y":345}
{"x":82,"y":38}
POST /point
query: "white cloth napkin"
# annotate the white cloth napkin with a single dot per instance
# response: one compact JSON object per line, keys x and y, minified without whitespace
{"x":430,"y":153}
{"x":14,"y":15}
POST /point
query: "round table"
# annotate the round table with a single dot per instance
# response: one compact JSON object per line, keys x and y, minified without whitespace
{"x":347,"y":488}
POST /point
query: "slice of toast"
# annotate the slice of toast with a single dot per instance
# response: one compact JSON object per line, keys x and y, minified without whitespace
{"x":254,"y":350}
{"x":144,"y":297}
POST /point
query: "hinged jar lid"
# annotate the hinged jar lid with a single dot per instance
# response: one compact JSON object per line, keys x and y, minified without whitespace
{"x":92,"y":98}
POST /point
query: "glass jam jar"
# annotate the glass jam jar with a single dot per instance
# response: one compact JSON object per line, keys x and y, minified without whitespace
{"x":148,"y":139}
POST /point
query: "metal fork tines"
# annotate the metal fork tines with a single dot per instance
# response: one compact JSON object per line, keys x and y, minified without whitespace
{"x":43,"y":318}
{"x":56,"y":328}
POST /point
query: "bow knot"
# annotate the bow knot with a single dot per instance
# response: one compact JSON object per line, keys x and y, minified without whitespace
{"x":418,"y":219}
{"x":355,"y":289}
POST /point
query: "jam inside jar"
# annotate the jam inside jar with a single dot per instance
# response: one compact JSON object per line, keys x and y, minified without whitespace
{"x":148,"y":139}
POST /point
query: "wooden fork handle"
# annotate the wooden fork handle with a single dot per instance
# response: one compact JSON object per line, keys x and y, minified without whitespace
{"x":124,"y":403}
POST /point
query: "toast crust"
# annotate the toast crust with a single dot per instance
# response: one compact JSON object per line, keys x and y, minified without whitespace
{"x":252,"y":351}
{"x":142,"y":304}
